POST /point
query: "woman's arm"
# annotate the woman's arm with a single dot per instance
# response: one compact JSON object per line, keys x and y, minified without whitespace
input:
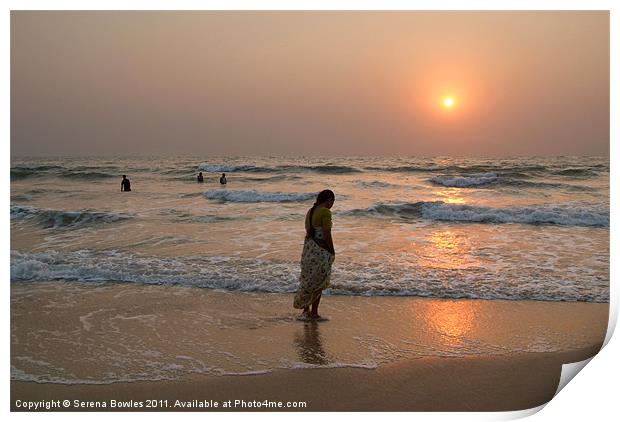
{"x":327,"y":236}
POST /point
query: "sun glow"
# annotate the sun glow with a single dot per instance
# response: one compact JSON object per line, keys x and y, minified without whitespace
{"x":448,"y":102}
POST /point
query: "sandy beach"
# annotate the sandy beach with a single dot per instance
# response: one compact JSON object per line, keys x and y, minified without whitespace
{"x":112,"y":341}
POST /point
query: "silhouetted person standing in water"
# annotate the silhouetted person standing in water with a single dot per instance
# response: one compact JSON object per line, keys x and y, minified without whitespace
{"x":200,"y":179}
{"x":223,"y":179}
{"x":125,"y":185}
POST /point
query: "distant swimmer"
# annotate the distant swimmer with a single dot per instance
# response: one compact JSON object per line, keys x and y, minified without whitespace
{"x":125,"y":185}
{"x":200,"y":179}
{"x":223,"y":179}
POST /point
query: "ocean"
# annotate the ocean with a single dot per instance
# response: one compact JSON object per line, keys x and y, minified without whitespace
{"x":514,"y":228}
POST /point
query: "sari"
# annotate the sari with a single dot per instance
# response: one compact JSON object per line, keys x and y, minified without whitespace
{"x":316,"y":268}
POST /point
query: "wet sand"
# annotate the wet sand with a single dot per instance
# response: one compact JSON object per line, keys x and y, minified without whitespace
{"x":428,"y":384}
{"x":374,"y":353}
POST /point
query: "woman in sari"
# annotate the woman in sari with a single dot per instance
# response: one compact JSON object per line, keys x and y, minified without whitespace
{"x":317,"y":256}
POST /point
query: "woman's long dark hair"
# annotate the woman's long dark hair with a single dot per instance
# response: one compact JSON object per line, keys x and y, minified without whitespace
{"x":323,"y":196}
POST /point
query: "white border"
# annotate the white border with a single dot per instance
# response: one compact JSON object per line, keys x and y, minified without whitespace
{"x":591,"y":395}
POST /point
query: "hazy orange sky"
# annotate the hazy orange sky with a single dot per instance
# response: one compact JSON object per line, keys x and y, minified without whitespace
{"x":310,"y":83}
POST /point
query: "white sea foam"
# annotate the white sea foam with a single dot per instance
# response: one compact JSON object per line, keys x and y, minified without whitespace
{"x":246,"y":373}
{"x":231,"y":273}
{"x":68,"y":379}
{"x":304,"y":365}
{"x":545,"y":214}
{"x":375,"y":277}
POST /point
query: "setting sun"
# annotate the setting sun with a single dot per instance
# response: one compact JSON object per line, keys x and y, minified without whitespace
{"x":448,"y":102}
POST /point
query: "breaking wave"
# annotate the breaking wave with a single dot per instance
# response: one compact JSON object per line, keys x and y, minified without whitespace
{"x":565,"y":215}
{"x":377,"y":277}
{"x":487,"y":180}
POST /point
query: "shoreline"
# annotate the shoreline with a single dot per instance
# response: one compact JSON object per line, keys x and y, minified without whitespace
{"x":404,"y":353}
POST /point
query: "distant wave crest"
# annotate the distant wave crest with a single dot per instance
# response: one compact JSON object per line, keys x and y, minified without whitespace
{"x":255,"y":196}
{"x":50,"y":218}
{"x":465,"y":182}
{"x":327,"y":169}
{"x":85,"y":174}
{"x":222,"y":168}
{"x":376,"y":184}
{"x":25,"y":171}
{"x":187,"y":169}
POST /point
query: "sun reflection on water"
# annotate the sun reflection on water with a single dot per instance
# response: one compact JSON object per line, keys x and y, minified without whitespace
{"x":450,"y":196}
{"x":447,"y":249}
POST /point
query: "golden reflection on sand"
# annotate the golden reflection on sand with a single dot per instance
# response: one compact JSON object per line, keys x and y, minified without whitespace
{"x":452,"y":320}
